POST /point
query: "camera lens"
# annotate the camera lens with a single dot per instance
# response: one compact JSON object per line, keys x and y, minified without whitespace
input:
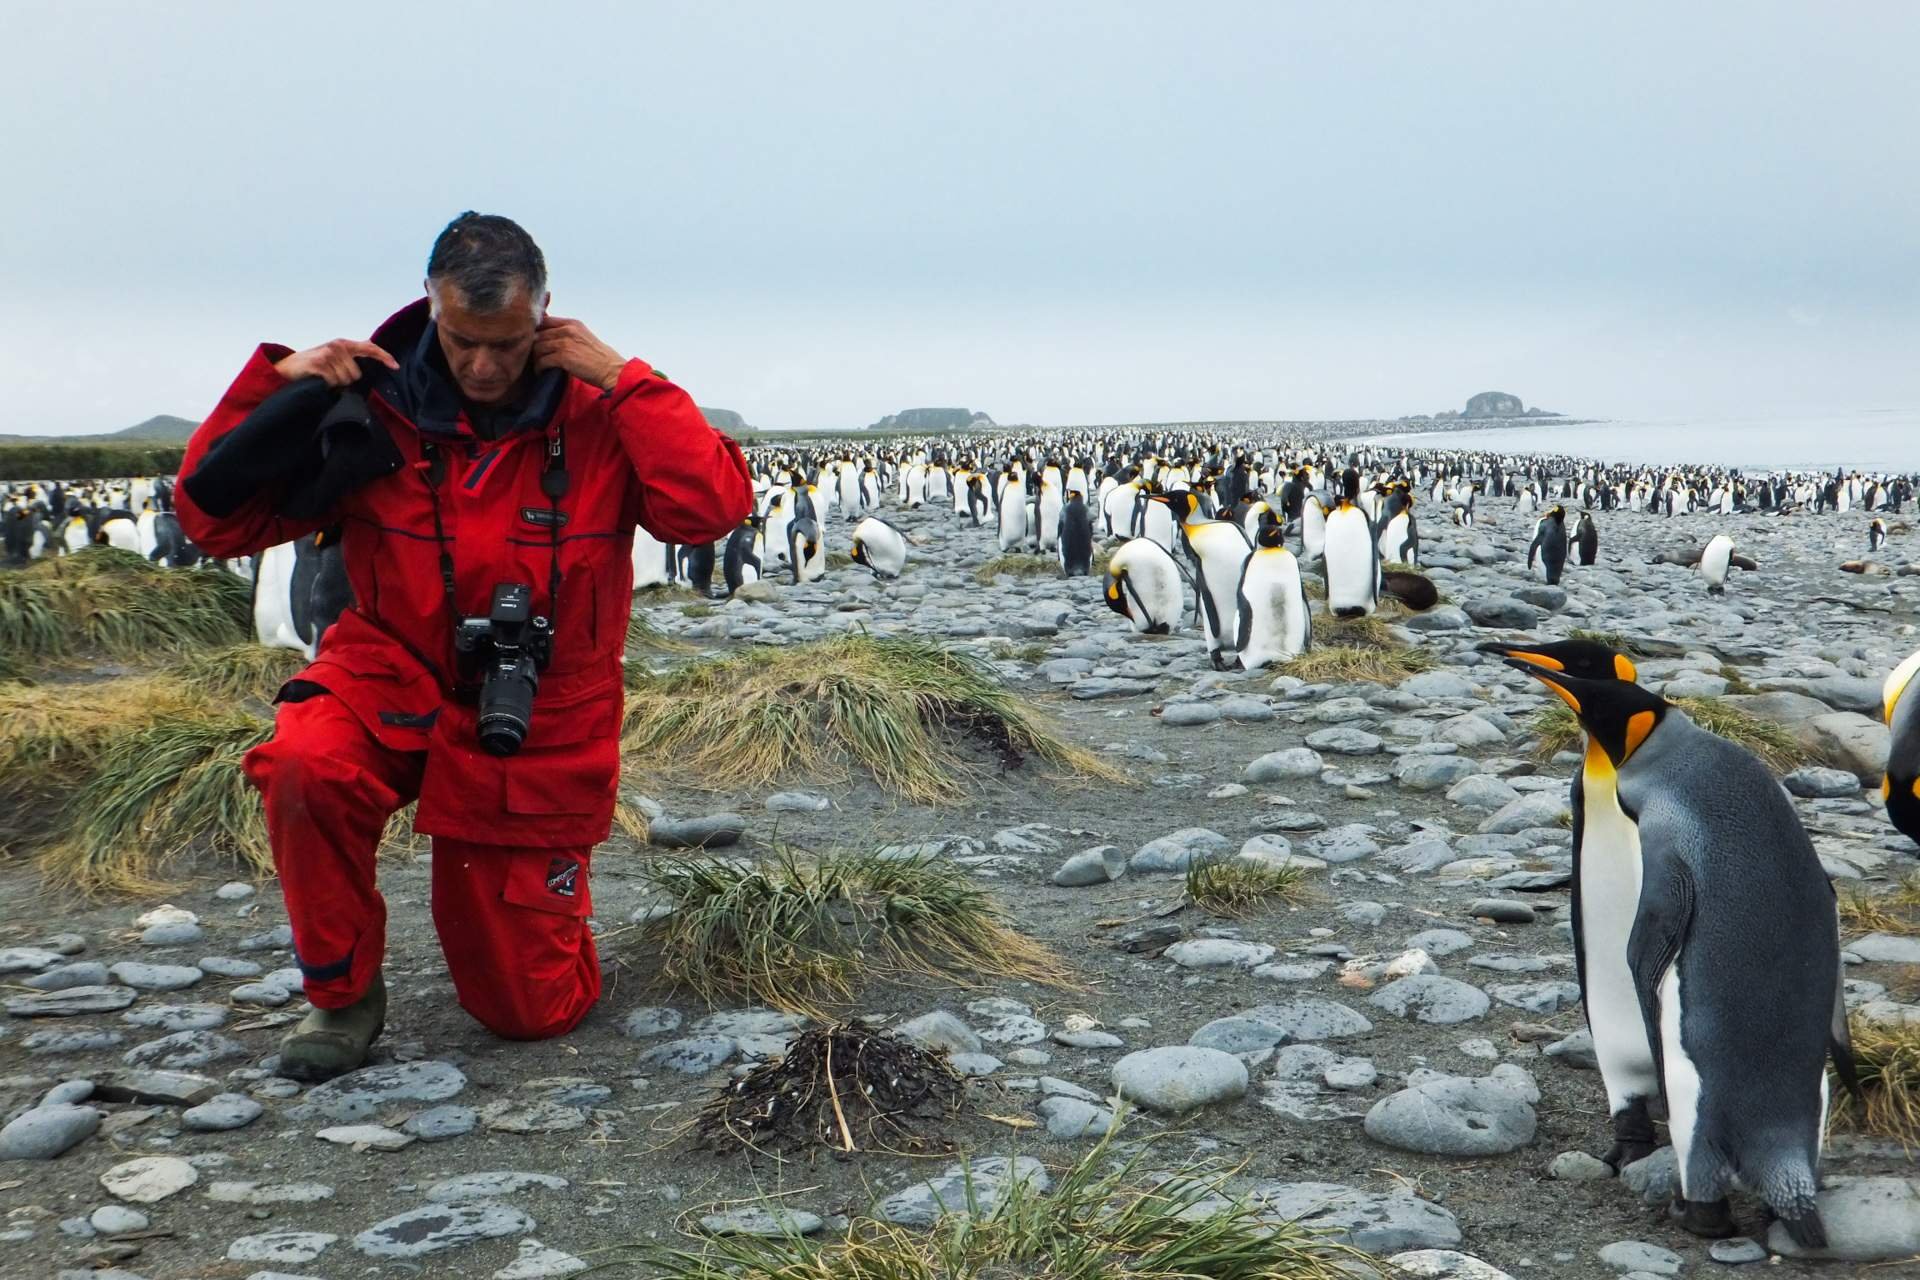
{"x":506,"y":705}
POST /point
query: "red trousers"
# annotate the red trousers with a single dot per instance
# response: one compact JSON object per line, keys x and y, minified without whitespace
{"x":512,"y":922}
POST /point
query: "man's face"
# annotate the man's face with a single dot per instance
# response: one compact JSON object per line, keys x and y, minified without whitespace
{"x":487,"y":351}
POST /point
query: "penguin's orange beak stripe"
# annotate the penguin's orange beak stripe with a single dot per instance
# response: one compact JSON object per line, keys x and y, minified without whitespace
{"x":1565,"y":696}
{"x":1537,"y":659}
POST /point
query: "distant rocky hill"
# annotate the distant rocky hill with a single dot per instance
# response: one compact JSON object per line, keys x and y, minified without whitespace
{"x":1486,"y":405}
{"x":162,"y":428}
{"x":724,"y":420}
{"x":933,"y":420}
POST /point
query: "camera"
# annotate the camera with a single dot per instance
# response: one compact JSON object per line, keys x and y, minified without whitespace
{"x":507,"y":650}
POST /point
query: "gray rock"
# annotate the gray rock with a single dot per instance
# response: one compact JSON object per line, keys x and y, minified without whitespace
{"x":1345,"y":844}
{"x":1431,"y":998}
{"x":1737,"y":1250}
{"x":268,"y":994}
{"x":495,"y":1184}
{"x":1189,"y":714}
{"x":228,"y":967}
{"x":651,"y":1021}
{"x":1238,"y":1035}
{"x":1454,"y":1116}
{"x":155,"y":1088}
{"x":67,"y":1093}
{"x":978,"y":1189}
{"x":83,"y":973}
{"x":1283,"y":766}
{"x":228,"y":1111}
{"x":114,"y":1219}
{"x":1345,"y":740}
{"x":1440,"y":942}
{"x":1539,"y":594}
{"x":1445,"y":1264}
{"x":1431,"y":685}
{"x":291,"y":1247}
{"x":1887,"y":948}
{"x":1541,"y":809}
{"x":46,"y":1131}
{"x":278,"y":938}
{"x":1867,"y":1220}
{"x":1218,"y":953}
{"x":1537,"y":997}
{"x":436,"y":1227}
{"x":1482,"y":793}
{"x":370,"y":1090}
{"x":1637,"y":1255}
{"x":713,"y":831}
{"x":1442,"y":617}
{"x":1434,"y":773}
{"x":234,"y":891}
{"x":1373,"y":1221}
{"x":149,"y":1179}
{"x":172,"y":933}
{"x":1310,"y":1018}
{"x":1576,"y":1051}
{"x":1177,"y":851}
{"x":155,"y":977}
{"x":1578,"y":1166}
{"x":27,"y":959}
{"x":1816,"y":783}
{"x":184,"y":1050}
{"x":1656,"y":1179}
{"x":1074,"y":1118}
{"x":1502,"y":611}
{"x":1176,"y":1079}
{"x":75,"y":1041}
{"x":1501,"y":911}
{"x":1092,"y":866}
{"x":1349,"y":1074}
{"x":177,"y":1017}
{"x":1847,"y":740}
{"x":797,"y":802}
{"x":1470,"y":731}
{"x":437,"y":1124}
{"x":940,"y":1030}
{"x":71,"y":1002}
{"x":693,"y":1055}
{"x":767,"y":1221}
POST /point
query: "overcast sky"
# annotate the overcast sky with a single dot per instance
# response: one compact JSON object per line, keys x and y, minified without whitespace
{"x":819,"y":213}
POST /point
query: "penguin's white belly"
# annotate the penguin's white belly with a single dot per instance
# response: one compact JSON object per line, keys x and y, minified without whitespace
{"x":1610,"y":874}
{"x":1351,"y":558}
{"x":1683,"y":1078}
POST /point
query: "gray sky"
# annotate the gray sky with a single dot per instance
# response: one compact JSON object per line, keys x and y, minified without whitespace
{"x":819,"y":213}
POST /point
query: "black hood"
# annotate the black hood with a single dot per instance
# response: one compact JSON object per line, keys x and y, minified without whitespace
{"x":423,"y":390}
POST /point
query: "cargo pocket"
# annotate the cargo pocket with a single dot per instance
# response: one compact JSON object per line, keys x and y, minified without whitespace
{"x":553,"y":882}
{"x":570,"y":761}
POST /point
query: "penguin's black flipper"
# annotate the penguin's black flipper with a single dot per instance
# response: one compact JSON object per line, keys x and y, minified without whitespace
{"x":1666,"y":911}
{"x":1840,"y":1044}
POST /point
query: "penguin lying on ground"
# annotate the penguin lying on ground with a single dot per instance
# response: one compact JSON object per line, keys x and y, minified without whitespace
{"x":1901,"y":787}
{"x":1688,"y":849}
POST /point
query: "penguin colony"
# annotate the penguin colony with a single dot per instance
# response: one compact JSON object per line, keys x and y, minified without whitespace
{"x":1689,"y":863}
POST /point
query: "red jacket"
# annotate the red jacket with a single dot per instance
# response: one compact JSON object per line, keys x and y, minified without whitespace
{"x":642,"y":453}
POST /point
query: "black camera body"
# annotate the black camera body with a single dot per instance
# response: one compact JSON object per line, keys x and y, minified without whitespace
{"x":505,"y":652}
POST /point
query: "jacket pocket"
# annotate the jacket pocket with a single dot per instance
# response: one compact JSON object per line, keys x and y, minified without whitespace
{"x":553,"y":882}
{"x":570,"y":761}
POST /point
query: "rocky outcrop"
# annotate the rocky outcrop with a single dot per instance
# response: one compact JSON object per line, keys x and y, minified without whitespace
{"x":933,"y":420}
{"x":724,"y":419}
{"x":1494,"y":404}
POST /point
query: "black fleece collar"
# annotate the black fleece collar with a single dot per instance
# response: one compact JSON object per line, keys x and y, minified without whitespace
{"x":424,"y":392}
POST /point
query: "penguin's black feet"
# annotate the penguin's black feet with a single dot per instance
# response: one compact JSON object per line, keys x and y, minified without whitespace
{"x":1709,"y":1219}
{"x":1627,"y":1152}
{"x":1220,"y":662}
{"x":1633,"y":1137}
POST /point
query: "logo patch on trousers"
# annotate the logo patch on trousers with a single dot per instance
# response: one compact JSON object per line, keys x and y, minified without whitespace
{"x":563,"y":877}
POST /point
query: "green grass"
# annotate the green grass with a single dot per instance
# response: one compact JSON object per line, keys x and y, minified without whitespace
{"x":106,"y":601}
{"x":892,"y":705}
{"x":1231,"y":887}
{"x":1018,"y":564}
{"x":1558,"y":729}
{"x":807,"y":934}
{"x":1887,"y":1057}
{"x":240,"y":671}
{"x":696,"y":611}
{"x":1102,"y":1219}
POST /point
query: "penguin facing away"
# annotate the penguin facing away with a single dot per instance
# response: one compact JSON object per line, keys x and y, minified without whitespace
{"x":1144,"y":586}
{"x":740,"y":563}
{"x":1275,"y":622}
{"x":1901,"y":785}
{"x":1075,"y":536}
{"x":806,"y":550}
{"x":1587,"y":538}
{"x":1550,"y":544}
{"x":1733,"y":950}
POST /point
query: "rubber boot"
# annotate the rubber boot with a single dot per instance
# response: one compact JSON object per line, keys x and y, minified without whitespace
{"x":332,"y":1042}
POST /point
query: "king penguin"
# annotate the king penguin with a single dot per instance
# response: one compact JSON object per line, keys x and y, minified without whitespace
{"x":1714,"y":559}
{"x":1144,"y":586}
{"x":741,"y":560}
{"x":1275,"y":623}
{"x":1550,"y":543}
{"x":1586,"y":538}
{"x":1901,"y":786}
{"x":1876,"y":533}
{"x":1732,"y":953}
{"x":1013,"y":520}
{"x":1218,"y":551}
{"x":879,"y":546}
{"x":1351,"y":559}
{"x":1075,"y":538}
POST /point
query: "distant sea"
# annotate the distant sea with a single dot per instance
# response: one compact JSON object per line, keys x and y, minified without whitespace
{"x":1868,"y":440}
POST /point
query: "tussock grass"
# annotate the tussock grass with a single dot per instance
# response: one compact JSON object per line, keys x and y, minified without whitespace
{"x":1887,"y":1056}
{"x":1357,"y":649}
{"x":806,"y":934}
{"x":155,"y":794}
{"x":1558,"y":729}
{"x":840,"y":560}
{"x":109,"y":601}
{"x":1102,"y":557}
{"x":53,"y":735}
{"x":1103,"y":1219}
{"x":1231,"y":887}
{"x":1019,"y":564}
{"x":644,"y":633}
{"x":890,"y":704}
{"x":240,"y":671}
{"x":1896,"y":911}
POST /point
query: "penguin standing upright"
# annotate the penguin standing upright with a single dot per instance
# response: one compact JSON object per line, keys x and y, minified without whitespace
{"x":1550,"y":543}
{"x":1275,"y":624}
{"x":696,"y":566}
{"x":806,"y":550}
{"x":1586,"y":538}
{"x":1901,"y":786}
{"x":1351,"y":560}
{"x":1876,"y":533}
{"x":1313,"y":527}
{"x":1013,"y":520}
{"x":1714,"y":560}
{"x":880,"y":547}
{"x":1732,"y":951}
{"x":1075,"y":536}
{"x":1400,"y":535}
{"x":1218,"y":551}
{"x":1144,"y":586}
{"x":740,"y":562}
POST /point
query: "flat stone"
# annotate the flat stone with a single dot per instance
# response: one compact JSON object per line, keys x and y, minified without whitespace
{"x":171,"y":933}
{"x":228,"y":967}
{"x":47,"y":1131}
{"x":366,"y":1137}
{"x":978,"y":1189}
{"x":1092,"y":866}
{"x":1068,"y":1118}
{"x":1372,"y":1221}
{"x":653,"y":1021}
{"x":72,"y":1001}
{"x":1886,"y":948}
{"x":1867,"y":1220}
{"x":1454,"y":1116}
{"x":363,"y":1093}
{"x":1537,"y":997}
{"x":713,"y":831}
{"x":1310,"y":1018}
{"x":228,"y":1111}
{"x":771,"y":1222}
{"x":184,"y":1050}
{"x":1292,"y":764}
{"x":1189,"y":714}
{"x":27,"y":959}
{"x":1656,"y":1179}
{"x":434,"y":1228}
{"x":691,"y":1056}
{"x":1218,"y":953}
{"x":492,"y":1185}
{"x":1636,"y":1255}
{"x":155,"y":977}
{"x":1576,"y":1051}
{"x":261,"y":1193}
{"x":1578,"y":1166}
{"x":266,"y":994}
{"x":1445,"y":1264}
{"x":65,"y":1041}
{"x":149,"y":1179}
{"x":1501,"y":911}
{"x":797,"y":802}
{"x":1433,"y":999}
{"x":1345,"y":844}
{"x":177,"y":1017}
{"x":1346,"y":740}
{"x":531,"y":1116}
{"x":278,"y":938}
{"x":1541,"y":809}
{"x":82,"y":973}
{"x":291,"y":1247}
{"x":161,"y":1088}
{"x":437,"y":1124}
{"x":536,"y":1261}
{"x":1177,"y":851}
{"x":1737,"y":1250}
{"x":116,"y":1219}
{"x":1176,"y":1079}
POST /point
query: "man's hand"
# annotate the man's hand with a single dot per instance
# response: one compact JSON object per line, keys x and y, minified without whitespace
{"x":570,"y":345}
{"x":332,"y":362}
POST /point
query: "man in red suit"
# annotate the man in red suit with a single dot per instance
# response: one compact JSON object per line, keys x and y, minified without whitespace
{"x":482,"y":465}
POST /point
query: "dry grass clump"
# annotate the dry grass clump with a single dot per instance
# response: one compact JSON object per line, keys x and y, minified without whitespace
{"x":806,"y":934}
{"x":1102,"y":1219}
{"x":1233,"y":887}
{"x":1558,"y":729}
{"x":1887,"y":1057}
{"x":1356,"y":649}
{"x":832,"y":1083}
{"x":891,"y":704}
{"x":644,"y":633}
{"x":1896,"y":911}
{"x":240,"y":671}
{"x":114,"y":602}
{"x":1019,"y":564}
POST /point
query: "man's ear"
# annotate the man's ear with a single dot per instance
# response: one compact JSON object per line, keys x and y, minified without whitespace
{"x":546,"y":305}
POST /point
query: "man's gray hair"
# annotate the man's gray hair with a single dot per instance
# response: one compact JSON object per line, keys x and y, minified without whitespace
{"x":489,"y":259}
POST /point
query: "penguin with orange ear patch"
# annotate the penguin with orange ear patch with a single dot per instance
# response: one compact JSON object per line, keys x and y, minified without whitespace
{"x":1694,"y":863}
